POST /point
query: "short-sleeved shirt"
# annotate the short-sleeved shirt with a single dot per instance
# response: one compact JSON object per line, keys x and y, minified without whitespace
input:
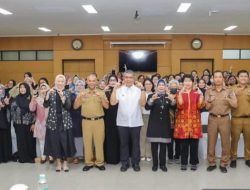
{"x":243,"y":98}
{"x":129,"y":110}
{"x":224,"y":100}
{"x":92,"y":106}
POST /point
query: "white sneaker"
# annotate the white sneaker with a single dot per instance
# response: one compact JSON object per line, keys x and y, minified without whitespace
{"x":143,"y":158}
{"x":149,"y":159}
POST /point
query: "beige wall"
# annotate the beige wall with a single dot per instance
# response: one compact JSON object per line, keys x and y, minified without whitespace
{"x":106,"y":57}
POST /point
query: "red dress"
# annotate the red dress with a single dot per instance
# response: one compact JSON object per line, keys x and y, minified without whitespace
{"x":188,"y":119}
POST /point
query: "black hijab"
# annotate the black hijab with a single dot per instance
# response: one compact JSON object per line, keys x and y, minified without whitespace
{"x":23,"y":100}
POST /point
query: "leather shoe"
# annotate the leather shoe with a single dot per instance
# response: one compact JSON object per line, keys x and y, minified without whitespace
{"x":87,"y":168}
{"x":233,"y":164}
{"x":248,"y":163}
{"x":124,"y":167}
{"x":102,"y":168}
{"x":136,"y":168}
{"x":164,"y":168}
{"x":154,"y":168}
{"x":223,"y":169}
{"x":211,"y":168}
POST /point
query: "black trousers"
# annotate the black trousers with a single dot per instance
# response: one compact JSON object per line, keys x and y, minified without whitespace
{"x":189,"y":148}
{"x":128,"y":134}
{"x":177,"y":148}
{"x":162,"y":153}
{"x":171,"y":154}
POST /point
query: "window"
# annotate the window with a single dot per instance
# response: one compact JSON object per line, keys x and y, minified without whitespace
{"x":245,"y":54}
{"x":231,"y":54}
{"x":10,"y":56}
{"x":44,"y":55}
{"x":27,"y":55}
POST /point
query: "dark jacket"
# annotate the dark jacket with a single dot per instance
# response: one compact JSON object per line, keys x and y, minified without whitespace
{"x":159,"y":125}
{"x":54,"y":106}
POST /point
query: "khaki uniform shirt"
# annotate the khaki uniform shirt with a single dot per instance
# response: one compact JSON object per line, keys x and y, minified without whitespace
{"x":243,"y":100}
{"x":224,"y":100}
{"x":92,"y":106}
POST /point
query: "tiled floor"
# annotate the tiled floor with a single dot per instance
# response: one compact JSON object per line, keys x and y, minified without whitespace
{"x":113,"y":179}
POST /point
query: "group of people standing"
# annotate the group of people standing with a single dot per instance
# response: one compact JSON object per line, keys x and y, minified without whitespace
{"x":120,"y":119}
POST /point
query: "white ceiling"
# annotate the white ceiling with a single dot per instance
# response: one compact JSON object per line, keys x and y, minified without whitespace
{"x":67,"y":17}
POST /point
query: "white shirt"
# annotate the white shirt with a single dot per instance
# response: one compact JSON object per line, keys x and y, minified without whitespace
{"x":144,"y":111}
{"x":129,"y":109}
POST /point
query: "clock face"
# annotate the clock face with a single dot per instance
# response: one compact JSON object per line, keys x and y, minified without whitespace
{"x":77,"y":44}
{"x":196,"y":44}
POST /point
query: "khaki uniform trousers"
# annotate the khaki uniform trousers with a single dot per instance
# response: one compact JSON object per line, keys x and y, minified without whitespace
{"x":93,"y":134}
{"x":240,"y":125}
{"x":218,"y":125}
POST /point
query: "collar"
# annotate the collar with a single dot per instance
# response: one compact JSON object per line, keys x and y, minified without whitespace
{"x":223,"y":88}
{"x":239,"y":86}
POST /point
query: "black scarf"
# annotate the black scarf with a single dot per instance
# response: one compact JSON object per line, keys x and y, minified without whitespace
{"x":23,"y":100}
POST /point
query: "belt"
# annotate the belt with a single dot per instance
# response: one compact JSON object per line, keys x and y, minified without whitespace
{"x":93,"y":118}
{"x":218,"y":115}
{"x":242,"y":117}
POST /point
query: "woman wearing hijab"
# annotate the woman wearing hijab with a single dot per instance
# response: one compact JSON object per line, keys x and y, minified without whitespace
{"x":59,"y":140}
{"x":39,"y":129}
{"x":188,"y":122}
{"x":5,"y":135}
{"x":77,"y":121}
{"x":23,"y":119}
{"x":9,"y":85}
{"x":112,"y":142}
{"x":159,"y":125}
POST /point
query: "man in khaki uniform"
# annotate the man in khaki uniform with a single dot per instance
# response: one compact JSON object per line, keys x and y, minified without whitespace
{"x":219,"y":101}
{"x":92,"y":101}
{"x":241,"y":118}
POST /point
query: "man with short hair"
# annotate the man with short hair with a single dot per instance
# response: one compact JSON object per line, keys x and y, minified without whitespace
{"x":219,"y":101}
{"x":241,"y":118}
{"x":92,"y":102}
{"x":129,"y":118}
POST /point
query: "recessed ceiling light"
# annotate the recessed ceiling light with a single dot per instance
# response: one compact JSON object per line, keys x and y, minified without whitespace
{"x":105,"y":28}
{"x":90,"y":9}
{"x":168,"y":27}
{"x":5,"y":12}
{"x":183,"y":7}
{"x":230,"y":28}
{"x":44,"y":29}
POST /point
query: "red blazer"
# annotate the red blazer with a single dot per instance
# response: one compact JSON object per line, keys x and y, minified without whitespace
{"x":188,"y":118}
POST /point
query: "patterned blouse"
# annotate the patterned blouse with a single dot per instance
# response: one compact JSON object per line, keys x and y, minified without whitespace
{"x":52,"y":121}
{"x":16,"y":114}
{"x":188,"y":118}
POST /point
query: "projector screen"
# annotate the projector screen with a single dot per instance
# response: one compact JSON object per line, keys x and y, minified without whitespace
{"x":138,"y":60}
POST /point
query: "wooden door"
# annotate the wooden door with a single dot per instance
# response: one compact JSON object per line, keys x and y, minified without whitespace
{"x":80,"y":68}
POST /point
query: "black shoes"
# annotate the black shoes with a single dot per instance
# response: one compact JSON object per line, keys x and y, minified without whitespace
{"x":87,"y":168}
{"x":233,"y":164}
{"x":193,"y":167}
{"x":223,"y":169}
{"x":154,"y":168}
{"x":164,"y":168}
{"x":124,"y":167}
{"x":136,"y":168}
{"x":211,"y":168}
{"x":183,"y":167}
{"x":247,"y":163}
{"x":102,"y":168}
